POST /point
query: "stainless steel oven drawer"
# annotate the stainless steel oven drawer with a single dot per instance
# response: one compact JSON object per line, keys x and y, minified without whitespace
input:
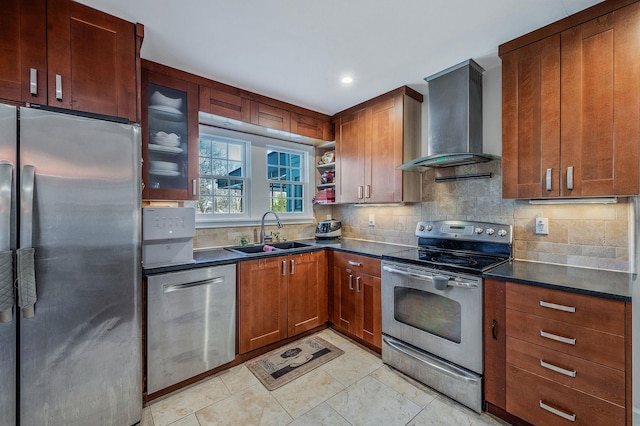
{"x":462,"y":385}
{"x":191,"y":318}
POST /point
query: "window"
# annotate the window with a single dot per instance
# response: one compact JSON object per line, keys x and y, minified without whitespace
{"x":243,"y":175}
{"x":284,"y":175}
{"x":222,"y":176}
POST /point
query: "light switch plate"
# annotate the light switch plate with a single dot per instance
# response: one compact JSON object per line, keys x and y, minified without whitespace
{"x":542,"y":226}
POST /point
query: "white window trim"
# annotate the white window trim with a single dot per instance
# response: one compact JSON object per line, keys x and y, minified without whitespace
{"x":257,"y":201}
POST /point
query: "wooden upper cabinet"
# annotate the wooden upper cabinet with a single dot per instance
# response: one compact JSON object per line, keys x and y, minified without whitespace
{"x":372,"y":140}
{"x":571,"y":121}
{"x":67,"y":55}
{"x":23,"y":35}
{"x":225,"y":103}
{"x":270,"y":116}
{"x":91,"y":60}
{"x":531,"y":120}
{"x":350,"y":134}
{"x":600,"y":114}
{"x":384,"y":151}
{"x":170,"y":138}
{"x":313,"y":127}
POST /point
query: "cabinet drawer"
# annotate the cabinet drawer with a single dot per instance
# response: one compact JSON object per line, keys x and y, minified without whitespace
{"x":527,"y":392}
{"x":577,"y":373}
{"x":364,"y":264}
{"x":597,"y":346}
{"x":586,"y":311}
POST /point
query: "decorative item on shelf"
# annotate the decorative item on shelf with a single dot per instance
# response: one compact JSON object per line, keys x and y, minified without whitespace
{"x":327,"y":177}
{"x":327,"y":157}
{"x":243,"y":240}
{"x":325,"y":196}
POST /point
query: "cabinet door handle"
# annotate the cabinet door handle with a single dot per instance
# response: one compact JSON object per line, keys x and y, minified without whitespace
{"x":570,"y":417}
{"x":360,"y":190}
{"x":549,"y":179}
{"x":352,"y":263}
{"x":570,"y":177}
{"x":58,"y":87}
{"x":367,"y":191}
{"x":33,"y":81}
{"x":293,"y":267}
{"x":358,"y":284}
{"x":195,"y":187}
{"x":494,"y":333}
{"x":557,"y":307}
{"x":284,"y":268}
{"x":557,"y":338}
{"x":557,"y":369}
{"x":350,"y":282}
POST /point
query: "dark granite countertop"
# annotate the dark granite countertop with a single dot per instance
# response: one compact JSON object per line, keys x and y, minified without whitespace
{"x":220,"y":256}
{"x":592,"y":282}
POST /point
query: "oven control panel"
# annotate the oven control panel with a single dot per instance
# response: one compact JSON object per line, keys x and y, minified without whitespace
{"x":472,"y":231}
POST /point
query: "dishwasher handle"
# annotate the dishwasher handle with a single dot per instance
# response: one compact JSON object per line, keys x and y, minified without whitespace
{"x":185,"y":286}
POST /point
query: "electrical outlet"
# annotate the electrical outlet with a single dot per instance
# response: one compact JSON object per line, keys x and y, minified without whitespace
{"x":328,"y":217}
{"x":372,"y":221}
{"x":542,"y":226}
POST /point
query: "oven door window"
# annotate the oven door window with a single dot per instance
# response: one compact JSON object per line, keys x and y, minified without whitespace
{"x":428,"y":312}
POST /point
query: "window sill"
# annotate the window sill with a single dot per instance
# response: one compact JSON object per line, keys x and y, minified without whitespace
{"x":236,"y":223}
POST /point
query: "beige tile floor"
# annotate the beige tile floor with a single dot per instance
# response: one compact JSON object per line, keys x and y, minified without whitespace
{"x":353,"y":389}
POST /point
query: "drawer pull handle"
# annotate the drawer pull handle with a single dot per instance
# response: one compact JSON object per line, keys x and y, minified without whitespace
{"x":557,"y":369}
{"x":557,"y":307}
{"x":352,"y":263}
{"x":557,"y":338}
{"x":570,"y":417}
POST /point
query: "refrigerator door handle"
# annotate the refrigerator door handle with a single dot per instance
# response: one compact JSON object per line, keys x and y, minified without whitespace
{"x":25,"y":254}
{"x":7,"y":293}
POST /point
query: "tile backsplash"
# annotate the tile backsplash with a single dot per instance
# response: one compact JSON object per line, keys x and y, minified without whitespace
{"x":591,"y":235}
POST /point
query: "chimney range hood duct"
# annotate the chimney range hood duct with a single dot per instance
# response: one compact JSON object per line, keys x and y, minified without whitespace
{"x":455,"y":118}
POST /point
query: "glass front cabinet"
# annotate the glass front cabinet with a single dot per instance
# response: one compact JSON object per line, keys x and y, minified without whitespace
{"x":169,"y":137}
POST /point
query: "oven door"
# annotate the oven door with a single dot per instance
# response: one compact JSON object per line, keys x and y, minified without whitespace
{"x":435,"y":311}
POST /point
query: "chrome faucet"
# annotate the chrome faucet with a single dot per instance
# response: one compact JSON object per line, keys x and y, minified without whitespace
{"x":264,"y":237}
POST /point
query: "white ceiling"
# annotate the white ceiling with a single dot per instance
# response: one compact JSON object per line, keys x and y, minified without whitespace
{"x":297,"y":50}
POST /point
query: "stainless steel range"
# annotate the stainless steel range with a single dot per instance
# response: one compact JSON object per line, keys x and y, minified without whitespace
{"x":432,"y":304}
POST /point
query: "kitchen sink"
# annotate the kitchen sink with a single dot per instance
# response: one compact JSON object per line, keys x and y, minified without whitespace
{"x":257,"y":249}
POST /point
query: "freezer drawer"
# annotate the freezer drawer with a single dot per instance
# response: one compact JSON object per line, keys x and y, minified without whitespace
{"x":191,"y":319}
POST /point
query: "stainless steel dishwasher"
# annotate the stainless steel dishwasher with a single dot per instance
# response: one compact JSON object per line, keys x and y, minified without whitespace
{"x":191,"y":318}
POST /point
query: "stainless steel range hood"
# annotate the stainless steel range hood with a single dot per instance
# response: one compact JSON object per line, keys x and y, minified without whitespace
{"x":455,"y":118}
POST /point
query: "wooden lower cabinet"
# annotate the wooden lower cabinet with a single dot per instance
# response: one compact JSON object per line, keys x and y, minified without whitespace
{"x":280,"y":297}
{"x":556,"y":358}
{"x":357,"y":297}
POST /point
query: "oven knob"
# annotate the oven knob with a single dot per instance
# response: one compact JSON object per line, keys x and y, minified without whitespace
{"x":479,"y":231}
{"x":502,"y":232}
{"x":490,"y":231}
{"x":429,"y":227}
{"x":420,"y":227}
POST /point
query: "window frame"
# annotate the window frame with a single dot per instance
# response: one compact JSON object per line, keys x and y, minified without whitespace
{"x":257,"y":195}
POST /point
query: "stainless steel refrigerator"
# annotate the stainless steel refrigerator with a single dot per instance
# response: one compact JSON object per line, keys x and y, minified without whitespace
{"x":70,"y":353}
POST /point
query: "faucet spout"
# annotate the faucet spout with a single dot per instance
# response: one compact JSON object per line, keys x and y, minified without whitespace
{"x":263,"y":236}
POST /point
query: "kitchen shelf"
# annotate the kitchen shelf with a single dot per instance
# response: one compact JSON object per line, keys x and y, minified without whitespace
{"x":326,"y":166}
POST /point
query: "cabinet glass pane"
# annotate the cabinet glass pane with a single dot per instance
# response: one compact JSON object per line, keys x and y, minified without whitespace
{"x":168,"y":138}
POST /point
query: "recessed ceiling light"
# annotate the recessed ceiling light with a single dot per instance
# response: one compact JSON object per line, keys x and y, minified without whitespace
{"x":347,"y":80}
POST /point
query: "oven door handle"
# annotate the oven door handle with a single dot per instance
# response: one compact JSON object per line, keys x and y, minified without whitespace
{"x":450,"y":283}
{"x":407,"y":273}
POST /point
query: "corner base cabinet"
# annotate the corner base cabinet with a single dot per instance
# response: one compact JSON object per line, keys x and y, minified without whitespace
{"x":555,"y":357}
{"x":281,"y":297}
{"x":356,"y":288}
